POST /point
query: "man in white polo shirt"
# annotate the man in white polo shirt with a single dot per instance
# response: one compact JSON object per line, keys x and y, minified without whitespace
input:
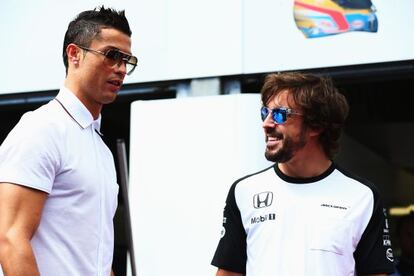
{"x":58,"y":190}
{"x":304,"y":215}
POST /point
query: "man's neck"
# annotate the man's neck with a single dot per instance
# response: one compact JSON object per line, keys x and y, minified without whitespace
{"x":304,"y":169}
{"x":308,"y":162}
{"x":94,"y":109}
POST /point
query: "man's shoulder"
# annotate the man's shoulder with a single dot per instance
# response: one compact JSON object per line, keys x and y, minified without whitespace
{"x":46,"y":116}
{"x":49,"y":112}
{"x":254,"y":177}
{"x":43,"y":122}
{"x":354,"y":181}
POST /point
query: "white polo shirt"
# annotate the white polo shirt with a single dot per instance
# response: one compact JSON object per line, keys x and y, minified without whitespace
{"x":57,"y":149}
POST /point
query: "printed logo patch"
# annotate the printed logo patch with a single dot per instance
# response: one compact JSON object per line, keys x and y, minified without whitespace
{"x":262,"y":200}
{"x":263,"y":218}
{"x":386,"y":240}
{"x":223,"y":232}
{"x":333,"y":206}
{"x":389,"y":255}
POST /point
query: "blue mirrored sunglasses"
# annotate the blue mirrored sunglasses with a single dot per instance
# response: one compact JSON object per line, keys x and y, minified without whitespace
{"x":279,"y":115}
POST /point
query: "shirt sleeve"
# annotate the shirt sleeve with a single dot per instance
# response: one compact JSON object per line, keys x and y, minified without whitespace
{"x":231,"y":251}
{"x":29,"y":156}
{"x":373,"y":254}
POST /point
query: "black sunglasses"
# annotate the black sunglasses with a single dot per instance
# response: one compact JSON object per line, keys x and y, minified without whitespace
{"x":115,"y":56}
{"x":279,"y":115}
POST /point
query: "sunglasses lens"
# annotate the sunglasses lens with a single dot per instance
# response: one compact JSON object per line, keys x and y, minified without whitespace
{"x":114,"y":56}
{"x":132,"y":60}
{"x":131,"y":64}
{"x":264,"y":112}
{"x":279,"y":115}
{"x":117,"y":57}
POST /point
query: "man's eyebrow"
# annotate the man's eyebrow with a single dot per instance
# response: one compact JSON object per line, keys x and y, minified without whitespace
{"x":109,"y":47}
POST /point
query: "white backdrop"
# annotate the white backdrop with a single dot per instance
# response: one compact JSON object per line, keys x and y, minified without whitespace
{"x":172,"y":39}
{"x":184,"y":156}
{"x":272,"y":41}
{"x":180,"y":39}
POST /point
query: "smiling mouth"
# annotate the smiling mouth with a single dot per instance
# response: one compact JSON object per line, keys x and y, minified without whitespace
{"x":275,"y":136}
{"x":115,"y":83}
{"x":273,"y":139}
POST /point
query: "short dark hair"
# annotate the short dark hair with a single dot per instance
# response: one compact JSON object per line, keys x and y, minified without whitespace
{"x":323,"y":106}
{"x":88,"y":24}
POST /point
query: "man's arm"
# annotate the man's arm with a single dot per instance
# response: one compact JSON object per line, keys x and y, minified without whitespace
{"x":20,"y":213}
{"x":222,"y":272}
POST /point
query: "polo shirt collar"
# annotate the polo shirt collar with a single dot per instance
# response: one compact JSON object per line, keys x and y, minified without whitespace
{"x":75,"y":108}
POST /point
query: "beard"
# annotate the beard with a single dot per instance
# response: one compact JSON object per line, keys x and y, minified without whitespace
{"x":287,"y":150}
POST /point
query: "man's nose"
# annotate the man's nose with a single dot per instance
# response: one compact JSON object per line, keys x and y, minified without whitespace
{"x":121,"y":67}
{"x":268,"y":121}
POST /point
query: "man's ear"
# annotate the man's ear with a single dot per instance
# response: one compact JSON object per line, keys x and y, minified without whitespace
{"x":73,"y":53}
{"x":315,"y":131}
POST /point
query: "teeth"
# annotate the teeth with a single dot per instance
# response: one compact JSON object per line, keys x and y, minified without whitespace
{"x":273,"y":138}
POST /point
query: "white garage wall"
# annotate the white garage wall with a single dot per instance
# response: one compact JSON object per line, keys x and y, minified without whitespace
{"x":182,"y":39}
{"x":184,"y":156}
{"x":172,"y":39}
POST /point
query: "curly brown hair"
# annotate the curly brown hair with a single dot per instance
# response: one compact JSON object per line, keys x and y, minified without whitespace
{"x":323,"y":106}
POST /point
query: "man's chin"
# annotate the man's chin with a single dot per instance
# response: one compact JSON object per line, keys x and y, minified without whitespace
{"x":271,"y":157}
{"x":278,"y":157}
{"x":110,"y":98}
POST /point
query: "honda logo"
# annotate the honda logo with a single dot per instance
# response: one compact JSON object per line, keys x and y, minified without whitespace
{"x":262,"y":200}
